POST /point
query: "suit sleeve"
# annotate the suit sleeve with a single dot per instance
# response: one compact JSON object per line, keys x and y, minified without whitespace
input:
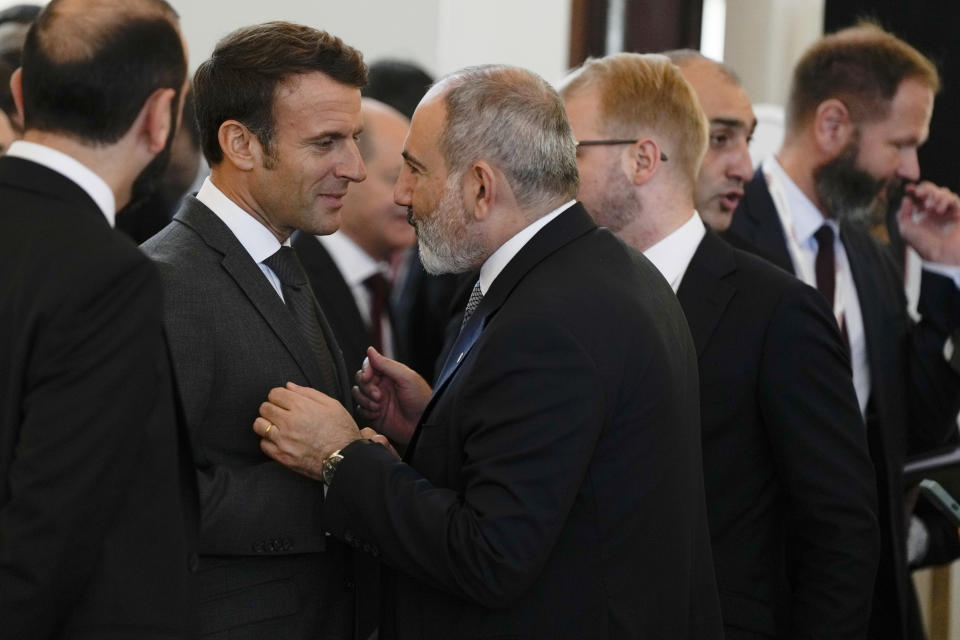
{"x":530,"y":412}
{"x":90,"y":385}
{"x":819,"y":444}
{"x":933,"y":387}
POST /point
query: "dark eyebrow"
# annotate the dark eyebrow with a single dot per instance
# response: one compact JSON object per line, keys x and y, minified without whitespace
{"x":726,"y":122}
{"x":409,"y":158}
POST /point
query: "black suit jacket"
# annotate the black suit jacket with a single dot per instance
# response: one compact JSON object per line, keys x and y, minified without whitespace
{"x":92,"y":536}
{"x":553,"y":488}
{"x":266,"y":567}
{"x":790,"y":488}
{"x":914,"y":396}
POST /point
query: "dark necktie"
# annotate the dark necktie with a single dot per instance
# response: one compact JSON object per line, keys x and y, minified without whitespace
{"x":475,"y":297}
{"x":300,"y":302}
{"x":379,"y":290}
{"x":826,"y":264}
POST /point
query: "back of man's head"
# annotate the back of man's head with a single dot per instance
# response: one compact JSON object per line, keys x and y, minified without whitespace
{"x":90,"y":65}
{"x":397,"y":83}
{"x":240,"y":79}
{"x":515,"y":120}
{"x":646,"y":95}
{"x":862,"y":66}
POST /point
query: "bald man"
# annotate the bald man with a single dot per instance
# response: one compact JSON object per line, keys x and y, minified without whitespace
{"x":92,"y":536}
{"x":350,"y":269}
{"x":726,"y":167}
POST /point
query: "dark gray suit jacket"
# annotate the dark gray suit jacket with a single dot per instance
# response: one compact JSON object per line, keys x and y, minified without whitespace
{"x":266,"y":567}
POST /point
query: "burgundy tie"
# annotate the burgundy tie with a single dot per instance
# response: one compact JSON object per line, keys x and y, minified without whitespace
{"x":379,"y":290}
{"x":826,"y":264}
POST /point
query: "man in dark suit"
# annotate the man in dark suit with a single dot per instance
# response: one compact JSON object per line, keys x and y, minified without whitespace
{"x":859,"y":106}
{"x":794,"y":531}
{"x":93,"y":542}
{"x":350,"y":270}
{"x":278,"y":106}
{"x":553,"y":484}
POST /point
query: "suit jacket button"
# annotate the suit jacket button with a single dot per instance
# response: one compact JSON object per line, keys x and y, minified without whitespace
{"x":349,"y":585}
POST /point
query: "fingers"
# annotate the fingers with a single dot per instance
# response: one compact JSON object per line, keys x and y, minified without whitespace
{"x":931,"y":198}
{"x":264,"y":427}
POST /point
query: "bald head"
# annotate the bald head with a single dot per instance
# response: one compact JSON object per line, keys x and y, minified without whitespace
{"x":90,"y":65}
{"x":369,"y":215}
{"x":726,"y":167}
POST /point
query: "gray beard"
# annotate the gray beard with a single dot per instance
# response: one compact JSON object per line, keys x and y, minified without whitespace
{"x":444,"y":239}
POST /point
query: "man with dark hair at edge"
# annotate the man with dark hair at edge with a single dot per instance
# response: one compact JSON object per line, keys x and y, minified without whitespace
{"x":93,"y":535}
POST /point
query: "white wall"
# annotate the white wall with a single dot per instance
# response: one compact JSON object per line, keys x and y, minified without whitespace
{"x":440,"y":35}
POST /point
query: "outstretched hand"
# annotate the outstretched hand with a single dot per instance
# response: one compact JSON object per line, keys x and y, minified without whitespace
{"x":929,"y":220}
{"x":390,"y":395}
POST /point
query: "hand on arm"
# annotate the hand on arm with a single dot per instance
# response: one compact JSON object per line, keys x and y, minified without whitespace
{"x":928,"y":220}
{"x":391,"y":396}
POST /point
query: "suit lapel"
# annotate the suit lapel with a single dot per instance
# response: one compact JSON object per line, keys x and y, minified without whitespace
{"x":869,"y":291}
{"x":569,"y":225}
{"x":756,"y":221}
{"x":250,"y":279}
{"x":704,"y":292}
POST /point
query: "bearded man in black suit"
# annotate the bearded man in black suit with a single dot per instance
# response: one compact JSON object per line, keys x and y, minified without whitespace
{"x":859,"y":106}
{"x":552,"y":483}
{"x":93,"y":539}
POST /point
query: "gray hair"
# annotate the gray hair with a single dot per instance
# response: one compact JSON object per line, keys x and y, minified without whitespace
{"x":514,"y":119}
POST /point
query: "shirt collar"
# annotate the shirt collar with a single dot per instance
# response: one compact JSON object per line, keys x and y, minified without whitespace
{"x":258,"y":240}
{"x":354,"y":263}
{"x":805,"y":217}
{"x":73,"y":170}
{"x":502,"y":256}
{"x":673,"y":254}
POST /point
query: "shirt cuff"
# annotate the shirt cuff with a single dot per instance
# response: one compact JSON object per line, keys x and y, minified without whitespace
{"x":947,"y":270}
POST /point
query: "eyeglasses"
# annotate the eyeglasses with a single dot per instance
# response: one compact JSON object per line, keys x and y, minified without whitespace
{"x":598,"y":143}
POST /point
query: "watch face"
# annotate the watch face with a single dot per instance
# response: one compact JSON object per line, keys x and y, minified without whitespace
{"x":330,"y":467}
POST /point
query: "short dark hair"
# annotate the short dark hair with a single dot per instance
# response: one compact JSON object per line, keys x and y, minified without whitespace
{"x":87,"y":71}
{"x":397,"y":83}
{"x":862,"y":66}
{"x":240,"y":79}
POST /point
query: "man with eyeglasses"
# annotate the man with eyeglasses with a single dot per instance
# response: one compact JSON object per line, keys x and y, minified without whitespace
{"x":790,"y":489}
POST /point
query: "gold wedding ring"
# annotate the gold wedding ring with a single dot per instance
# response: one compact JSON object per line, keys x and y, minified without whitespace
{"x":269,"y":426}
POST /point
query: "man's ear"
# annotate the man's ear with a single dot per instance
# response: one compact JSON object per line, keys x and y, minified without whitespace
{"x":480,"y":188}
{"x":158,"y":120}
{"x":240,"y":147}
{"x":16,"y":88}
{"x":643,"y":161}
{"x":833,"y":127}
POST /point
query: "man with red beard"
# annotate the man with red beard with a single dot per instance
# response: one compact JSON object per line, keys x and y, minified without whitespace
{"x":859,"y":107}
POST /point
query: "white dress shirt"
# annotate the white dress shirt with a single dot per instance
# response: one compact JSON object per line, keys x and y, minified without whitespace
{"x":355,"y":266}
{"x":68,"y":167}
{"x":801,"y":219}
{"x":672,"y":255}
{"x":258,"y":240}
{"x":500,"y":258}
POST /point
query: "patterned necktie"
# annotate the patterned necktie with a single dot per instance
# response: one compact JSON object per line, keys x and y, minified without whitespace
{"x":300,"y":302}
{"x":379,"y":290}
{"x":475,"y":297}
